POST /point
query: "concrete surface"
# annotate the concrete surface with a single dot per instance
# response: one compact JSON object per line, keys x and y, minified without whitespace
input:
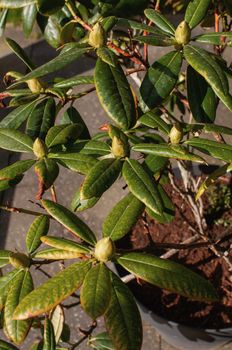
{"x":16,"y":225}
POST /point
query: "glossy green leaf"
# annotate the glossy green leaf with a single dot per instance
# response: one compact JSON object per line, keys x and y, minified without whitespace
{"x":160,"y":80}
{"x":202,"y":100}
{"x":142,"y":185}
{"x":154,"y":164}
{"x":4,"y":257}
{"x":153,"y":120}
{"x":62,"y":134}
{"x":81,"y":163}
{"x":56,"y":254}
{"x":20,"y":52}
{"x":168,"y":212}
{"x":100,"y":178}
{"x":196,"y":11}
{"x":72,"y":116}
{"x":70,"y":221}
{"x":101,"y":341}
{"x":5,"y":184}
{"x":15,"y":140}
{"x":3,"y":20}
{"x":47,"y":171}
{"x":217,"y":150}
{"x":52,"y":32}
{"x":209,"y":128}
{"x":79,"y":204}
{"x":57,"y":63}
{"x":107,"y":56}
{"x":41,"y":119}
{"x":14,"y":4}
{"x":160,"y":21}
{"x":167,"y":150}
{"x":74,"y":81}
{"x":114,"y":94}
{"x":128,"y":23}
{"x":37,"y":229}
{"x":91,"y":147}
{"x":49,"y":341}
{"x":7,"y":346}
{"x":206,"y":66}
{"x":15,"y":169}
{"x":38,"y":345}
{"x":22,"y":100}
{"x":5,"y":283}
{"x":53,"y":291}
{"x":20,"y":287}
{"x":155,"y":40}
{"x":18,"y":116}
{"x":96,"y":291}
{"x":65,"y":244}
{"x":122,"y":217}
{"x":67,"y":30}
{"x":57,"y":319}
{"x":219,"y":38}
{"x":28,"y":18}
{"x":122,"y":318}
{"x":169,"y":275}
{"x":47,"y":8}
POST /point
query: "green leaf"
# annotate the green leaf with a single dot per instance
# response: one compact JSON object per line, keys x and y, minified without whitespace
{"x":155,"y":40}
{"x":74,"y":81}
{"x":153,"y":120}
{"x":53,"y":291}
{"x":15,"y":169}
{"x":14,"y":4}
{"x":47,"y":171}
{"x":14,"y":140}
{"x":122,"y":318}
{"x":100,"y":178}
{"x":206,"y":66}
{"x":20,"y":52}
{"x":91,"y":147}
{"x":47,"y":8}
{"x":154,"y":164}
{"x":122,"y":217}
{"x":56,"y":254}
{"x":160,"y":80}
{"x":52,"y":32}
{"x":28,"y":18}
{"x":196,"y":11}
{"x":7,"y":346}
{"x":20,"y":287}
{"x":107,"y":56}
{"x":65,"y":244}
{"x":96,"y":291}
{"x":67,"y":32}
{"x":124,"y":22}
{"x":38,"y":345}
{"x":167,"y":150}
{"x":41,"y":119}
{"x":5,"y":184}
{"x":77,"y":162}
{"x":168,"y":212}
{"x":160,"y":21}
{"x":3,"y":20}
{"x":169,"y":275}
{"x":62,"y":134}
{"x":37,"y":229}
{"x":4,"y":257}
{"x":217,"y":150}
{"x":57,"y":63}
{"x":70,"y":221}
{"x":202,"y":100}
{"x":219,"y":38}
{"x":142,"y":185}
{"x":79,"y":204}
{"x":57,"y":320}
{"x":5,"y":283}
{"x":49,"y":341}
{"x":72,"y":116}
{"x":114,"y":94}
{"x":101,"y":341}
{"x":18,"y":116}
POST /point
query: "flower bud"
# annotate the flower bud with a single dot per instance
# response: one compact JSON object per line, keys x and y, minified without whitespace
{"x":119,"y":148}
{"x":104,"y":249}
{"x":39,"y":148}
{"x":19,"y":260}
{"x":183,"y":33}
{"x":176,"y":134}
{"x":97,"y":36}
{"x":35,"y":86}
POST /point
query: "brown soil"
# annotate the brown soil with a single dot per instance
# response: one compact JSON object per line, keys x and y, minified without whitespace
{"x":201,"y":260}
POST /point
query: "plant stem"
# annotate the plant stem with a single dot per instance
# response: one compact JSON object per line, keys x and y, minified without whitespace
{"x":53,"y":193}
{"x":72,"y":10}
{"x":21,"y":210}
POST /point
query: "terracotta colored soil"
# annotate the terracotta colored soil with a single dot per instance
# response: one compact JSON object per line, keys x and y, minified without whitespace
{"x":200,"y":260}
